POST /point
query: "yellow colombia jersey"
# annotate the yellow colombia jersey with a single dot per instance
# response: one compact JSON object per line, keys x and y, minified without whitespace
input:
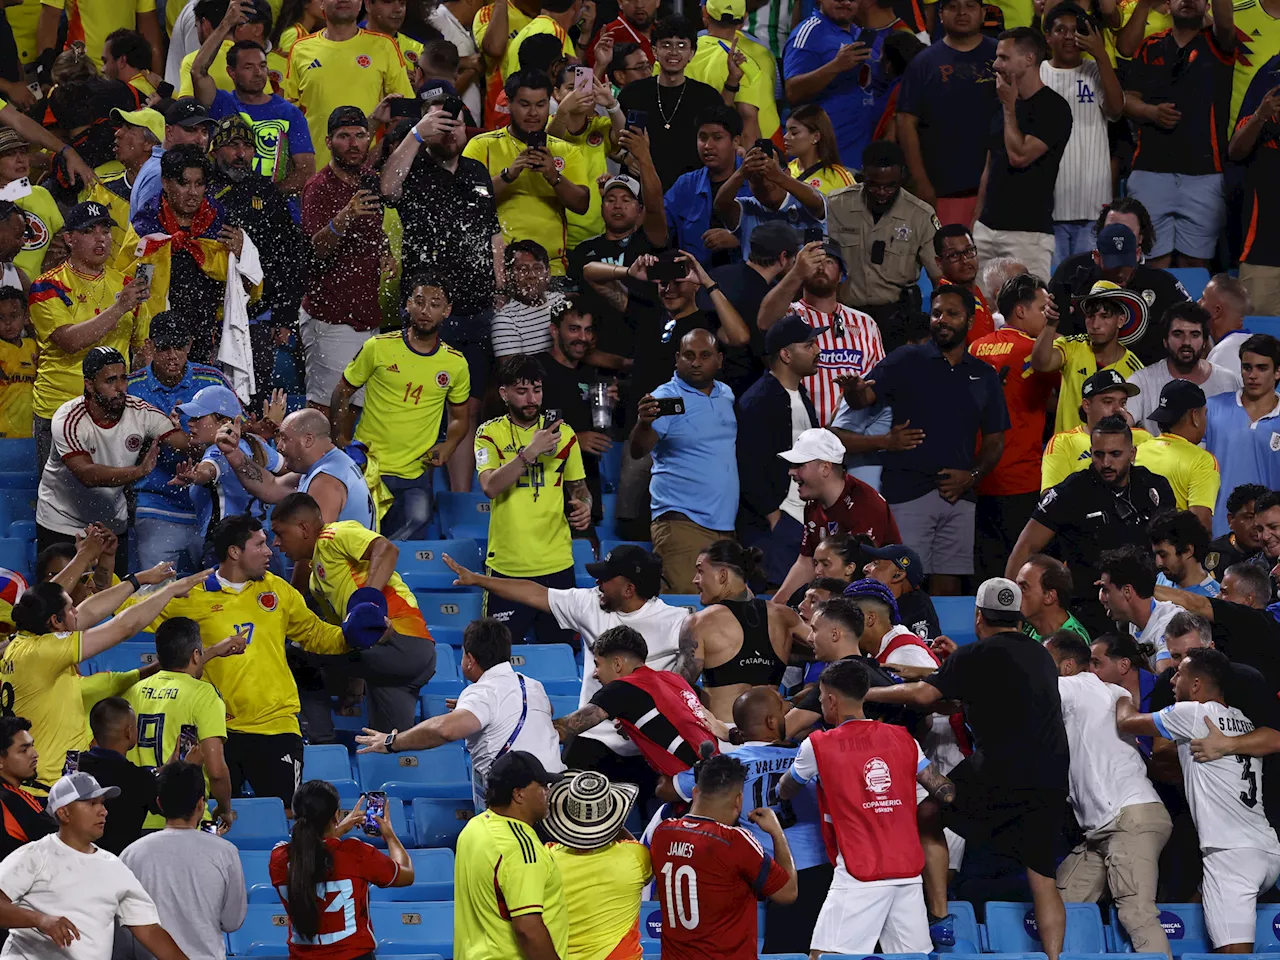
{"x":404,"y":398}
{"x":40,"y":680}
{"x":501,"y":856}
{"x":338,"y":569}
{"x":217,"y":71}
{"x":93,"y":20}
{"x":602,"y":892}
{"x":1078,"y":366}
{"x":595,"y":145}
{"x":257,"y":686}
{"x":18,"y":363}
{"x":23,"y":19}
{"x":63,"y":296}
{"x":539,"y":24}
{"x":528,"y":533}
{"x":1192,"y":472}
{"x":710,"y":64}
{"x":1257,"y":41}
{"x":825,"y":179}
{"x":291,"y":35}
{"x":530,"y":209}
{"x":517,"y":20}
{"x":44,"y":221}
{"x":112,"y":191}
{"x":164,"y":703}
{"x":140,"y":83}
{"x":1068,"y":453}
{"x":411,"y":50}
{"x":326,"y":74}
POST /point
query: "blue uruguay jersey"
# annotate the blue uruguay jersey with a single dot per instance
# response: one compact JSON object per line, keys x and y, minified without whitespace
{"x":766,"y":763}
{"x":227,"y":495}
{"x":359,"y":505}
{"x":156,"y":499}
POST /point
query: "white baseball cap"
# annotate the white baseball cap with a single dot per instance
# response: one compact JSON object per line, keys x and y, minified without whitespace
{"x":815,"y":444}
{"x":77,"y":786}
{"x":1000,"y":600}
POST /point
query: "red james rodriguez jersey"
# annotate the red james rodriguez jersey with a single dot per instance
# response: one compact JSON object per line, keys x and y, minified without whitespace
{"x":345,"y":932}
{"x":708,"y":878}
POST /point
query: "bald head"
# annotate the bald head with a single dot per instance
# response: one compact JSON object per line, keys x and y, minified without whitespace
{"x":303,"y":439}
{"x":759,"y":714}
{"x":699,"y":358}
{"x":308,"y":421}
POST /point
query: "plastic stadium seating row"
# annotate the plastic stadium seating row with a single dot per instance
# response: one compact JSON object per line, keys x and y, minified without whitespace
{"x":414,"y":928}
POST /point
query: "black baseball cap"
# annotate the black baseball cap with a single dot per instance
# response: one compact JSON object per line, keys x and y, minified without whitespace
{"x":1176,"y":398}
{"x":168,"y":329}
{"x":637,"y":564}
{"x":774,"y":238}
{"x":85,"y":215}
{"x":519,"y":768}
{"x":347,"y":117}
{"x":832,"y":249}
{"x":187,"y":112}
{"x":790,"y":329}
{"x":100,"y":357}
{"x":1105,"y":380}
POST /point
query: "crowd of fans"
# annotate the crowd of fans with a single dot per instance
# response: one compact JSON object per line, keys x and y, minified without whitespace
{"x":823,"y":308}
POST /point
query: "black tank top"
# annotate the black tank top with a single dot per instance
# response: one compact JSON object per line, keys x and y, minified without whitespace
{"x":755,"y":662}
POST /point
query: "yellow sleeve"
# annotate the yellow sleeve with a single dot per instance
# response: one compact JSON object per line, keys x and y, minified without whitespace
{"x":289,"y":86}
{"x":756,"y":90}
{"x":480,"y":26}
{"x":524,"y":884}
{"x":395,"y":78}
{"x":55,"y":652}
{"x":1063,"y":346}
{"x":210,"y":714}
{"x":145,"y":6}
{"x":362,"y":365}
{"x":99,"y":686}
{"x":56,"y":4}
{"x":353,"y":537}
{"x":308,"y":630}
{"x":1203,"y":481}
{"x":185,"y":87}
{"x":47,"y":315}
{"x":486,"y":454}
{"x":573,"y":469}
{"x":1055,"y":466}
{"x":460,"y":382}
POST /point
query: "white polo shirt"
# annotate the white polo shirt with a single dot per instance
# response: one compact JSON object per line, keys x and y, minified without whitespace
{"x":497,"y":702}
{"x":658,"y":622}
{"x":1107,"y":772}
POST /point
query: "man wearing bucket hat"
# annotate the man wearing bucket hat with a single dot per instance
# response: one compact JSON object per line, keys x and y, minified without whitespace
{"x":603,"y":868}
{"x":1108,"y":309}
{"x":65,"y":889}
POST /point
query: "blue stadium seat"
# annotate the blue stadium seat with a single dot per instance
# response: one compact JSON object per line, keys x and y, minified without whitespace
{"x":1105,"y":956}
{"x":863,"y":956}
{"x":968,"y":933}
{"x":23,"y":530}
{"x":257,"y":876}
{"x":955,"y":614}
{"x":1183,"y":924}
{"x":330,"y":761}
{"x":563,"y":706}
{"x":13,"y":556}
{"x":1194,"y":279}
{"x":690,"y":600}
{"x":264,"y":933}
{"x":583,"y":553}
{"x":435,"y":693}
{"x":447,"y":636}
{"x":130,"y":655}
{"x":422,"y":565}
{"x":463,"y":514}
{"x":650,"y":926}
{"x":996,"y":956}
{"x":437,"y":821}
{"x":260,"y":823}
{"x":454,"y":610}
{"x":926,"y":286}
{"x":418,"y":927}
{"x":1268,"y":325}
{"x":19,"y":454}
{"x":410,"y":774}
{"x":545,"y":661}
{"x":446,"y":663}
{"x":1266,"y":937}
{"x":798,"y":956}
{"x":432,"y":879}
{"x":1011,"y":928}
{"x":611,"y":466}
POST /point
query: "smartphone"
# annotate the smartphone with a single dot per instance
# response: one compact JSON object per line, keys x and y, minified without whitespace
{"x":405,"y":107}
{"x":583,"y":78}
{"x":637,"y":119}
{"x":1084,"y":27}
{"x":72,"y":763}
{"x":454,"y":107}
{"x":164,"y":89}
{"x":1060,"y":293}
{"x":144,"y":273}
{"x":537,"y":140}
{"x":16,"y":189}
{"x":669,"y":406}
{"x":375,"y":805}
{"x":210,"y":826}
{"x":765,"y":145}
{"x":814,"y":235}
{"x":865,"y":36}
{"x":550,"y":416}
{"x":373,"y":183}
{"x":666,"y":270}
{"x":187,"y":740}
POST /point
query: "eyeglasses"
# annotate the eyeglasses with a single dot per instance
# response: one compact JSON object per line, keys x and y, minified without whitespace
{"x":955,"y":256}
{"x":667,"y":46}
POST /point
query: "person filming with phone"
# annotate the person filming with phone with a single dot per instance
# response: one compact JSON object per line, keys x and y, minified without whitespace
{"x":689,"y":426}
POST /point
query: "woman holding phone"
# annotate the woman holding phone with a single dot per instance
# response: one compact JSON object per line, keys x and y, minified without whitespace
{"x":317,"y":868}
{"x":811,"y":142}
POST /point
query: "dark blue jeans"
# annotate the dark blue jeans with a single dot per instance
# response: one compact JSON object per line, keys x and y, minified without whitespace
{"x":410,"y":513}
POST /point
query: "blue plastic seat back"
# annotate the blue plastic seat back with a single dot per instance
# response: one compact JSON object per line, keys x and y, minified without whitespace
{"x":544,"y":661}
{"x":265,"y":932}
{"x":968,"y":934}
{"x":1011,"y":928}
{"x":260,"y":823}
{"x":437,"y":821}
{"x":413,"y":928}
{"x":1183,"y":924}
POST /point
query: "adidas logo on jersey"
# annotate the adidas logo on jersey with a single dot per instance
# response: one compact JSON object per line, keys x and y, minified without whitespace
{"x":313,"y":64}
{"x":394,"y":368}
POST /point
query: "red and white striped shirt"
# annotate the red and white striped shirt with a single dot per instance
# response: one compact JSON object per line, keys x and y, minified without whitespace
{"x":851,"y":347}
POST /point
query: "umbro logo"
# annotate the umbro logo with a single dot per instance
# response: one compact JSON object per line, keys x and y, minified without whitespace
{"x":394,"y":368}
{"x":313,"y":64}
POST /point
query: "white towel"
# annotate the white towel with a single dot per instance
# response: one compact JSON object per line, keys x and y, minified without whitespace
{"x":235,"y":351}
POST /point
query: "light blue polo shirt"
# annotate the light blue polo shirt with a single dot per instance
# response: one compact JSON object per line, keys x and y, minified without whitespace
{"x":695,"y":463}
{"x":1247,"y":452}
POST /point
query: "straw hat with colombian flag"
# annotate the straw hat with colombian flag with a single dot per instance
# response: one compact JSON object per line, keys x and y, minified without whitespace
{"x":1135,"y":324}
{"x":586,"y":811}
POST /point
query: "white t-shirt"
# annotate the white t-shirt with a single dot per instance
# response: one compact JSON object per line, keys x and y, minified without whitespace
{"x":442,"y":18}
{"x":1107,"y":772}
{"x":907,"y":655}
{"x":1226,"y":352}
{"x":1084,"y":176}
{"x":1151,"y":381}
{"x":658,"y":622}
{"x":1162,"y":611}
{"x":9,"y":276}
{"x":65,"y":504}
{"x":92,"y":890}
{"x":495,"y":700}
{"x":1225,"y":795}
{"x":793,"y":506}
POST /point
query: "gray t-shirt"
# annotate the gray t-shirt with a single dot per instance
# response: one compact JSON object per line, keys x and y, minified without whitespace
{"x":1151,"y":381}
{"x":197,"y":884}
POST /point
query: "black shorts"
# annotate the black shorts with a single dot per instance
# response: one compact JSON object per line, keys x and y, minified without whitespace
{"x":520,"y":619}
{"x":271,"y":762}
{"x":1022,"y":823}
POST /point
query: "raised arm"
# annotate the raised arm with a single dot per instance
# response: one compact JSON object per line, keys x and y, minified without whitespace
{"x":497,"y":481}
{"x":636,"y":143}
{"x":97,"y":607}
{"x":1023,"y":149}
{"x":203,"y":85}
{"x":1045,"y":357}
{"x":265,"y":486}
{"x":1035,"y":536}
{"x":939,"y":786}
{"x":1130,"y":721}
{"x":1245,"y":140}
{"x":120,"y":628}
{"x":518,"y":591}
{"x":777,"y":302}
{"x":74,"y":337}
{"x":725,"y":203}
{"x":1192,"y":602}
{"x":1261,"y":742}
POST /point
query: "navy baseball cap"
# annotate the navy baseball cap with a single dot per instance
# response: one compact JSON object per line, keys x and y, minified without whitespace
{"x":87,"y":214}
{"x":1117,"y":246}
{"x":790,"y":329}
{"x":1177,"y":397}
{"x":904,"y":558}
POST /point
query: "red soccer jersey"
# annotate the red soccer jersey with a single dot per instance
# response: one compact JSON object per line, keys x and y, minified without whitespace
{"x":708,"y":878}
{"x":345,"y":932}
{"x":1026,"y":392}
{"x":859,"y":509}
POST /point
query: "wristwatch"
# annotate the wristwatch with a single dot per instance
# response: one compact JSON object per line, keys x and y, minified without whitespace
{"x":389,"y":742}
{"x":505,"y":178}
{"x":131,"y":579}
{"x":973,"y":475}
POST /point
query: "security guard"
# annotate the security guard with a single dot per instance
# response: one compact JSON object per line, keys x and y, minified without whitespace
{"x":886,"y":236}
{"x":1102,"y":508}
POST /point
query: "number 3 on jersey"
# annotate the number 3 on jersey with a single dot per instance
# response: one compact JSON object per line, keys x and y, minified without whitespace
{"x":681,"y":890}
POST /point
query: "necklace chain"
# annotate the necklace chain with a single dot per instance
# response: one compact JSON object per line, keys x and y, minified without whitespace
{"x":666,"y":121}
